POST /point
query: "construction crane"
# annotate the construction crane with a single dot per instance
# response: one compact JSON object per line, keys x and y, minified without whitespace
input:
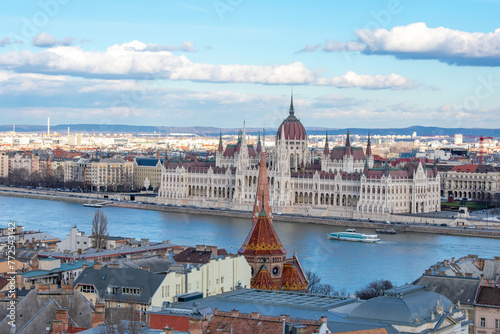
{"x":481,"y":148}
{"x":481,"y":145}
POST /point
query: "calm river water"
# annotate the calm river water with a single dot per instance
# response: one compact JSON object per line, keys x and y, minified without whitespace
{"x":400,"y":258}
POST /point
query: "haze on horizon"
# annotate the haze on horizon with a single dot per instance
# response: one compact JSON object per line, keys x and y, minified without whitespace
{"x":371,"y":64}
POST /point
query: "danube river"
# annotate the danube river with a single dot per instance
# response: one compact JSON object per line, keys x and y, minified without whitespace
{"x":400,"y":258}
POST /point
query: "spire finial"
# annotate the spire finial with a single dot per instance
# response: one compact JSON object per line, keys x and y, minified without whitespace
{"x":292,"y":110}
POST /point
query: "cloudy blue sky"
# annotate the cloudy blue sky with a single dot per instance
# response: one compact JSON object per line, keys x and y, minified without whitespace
{"x":392,"y":63}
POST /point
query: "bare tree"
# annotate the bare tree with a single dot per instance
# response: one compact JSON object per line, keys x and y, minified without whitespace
{"x":99,"y":230}
{"x":318,"y":288}
{"x":374,"y":289}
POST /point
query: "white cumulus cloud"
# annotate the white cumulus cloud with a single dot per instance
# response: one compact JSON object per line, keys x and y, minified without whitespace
{"x":124,"y":62}
{"x":417,"y":41}
{"x":45,"y":40}
{"x":8,"y":41}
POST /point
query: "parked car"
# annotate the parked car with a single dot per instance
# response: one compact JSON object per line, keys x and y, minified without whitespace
{"x":472,"y":226}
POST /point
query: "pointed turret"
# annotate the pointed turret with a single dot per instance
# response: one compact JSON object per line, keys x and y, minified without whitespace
{"x":365,"y":169}
{"x":220,"y":148}
{"x":238,"y":144}
{"x":262,"y":194}
{"x":291,"y":111}
{"x":165,"y":161}
{"x":369,"y":146}
{"x":348,"y":145}
{"x":259,"y":147}
{"x":434,"y":167}
{"x":386,"y":167}
{"x":326,"y":150}
{"x":262,"y":238}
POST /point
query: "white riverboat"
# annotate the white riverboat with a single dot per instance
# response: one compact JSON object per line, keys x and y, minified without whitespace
{"x":352,"y":236}
{"x":91,"y":205}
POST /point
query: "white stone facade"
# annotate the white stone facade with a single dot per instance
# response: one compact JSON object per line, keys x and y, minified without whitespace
{"x":343,"y":183}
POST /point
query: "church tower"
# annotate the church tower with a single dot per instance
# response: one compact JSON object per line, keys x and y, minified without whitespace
{"x":263,"y":250}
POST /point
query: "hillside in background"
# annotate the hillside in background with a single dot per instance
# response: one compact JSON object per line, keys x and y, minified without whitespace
{"x":212,"y":131}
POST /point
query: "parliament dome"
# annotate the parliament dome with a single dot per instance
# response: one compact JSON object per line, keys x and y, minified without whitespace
{"x":293,"y":128}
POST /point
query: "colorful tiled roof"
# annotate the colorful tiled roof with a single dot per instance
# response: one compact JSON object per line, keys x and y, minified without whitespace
{"x":263,"y":280}
{"x":293,"y":278}
{"x":262,"y":238}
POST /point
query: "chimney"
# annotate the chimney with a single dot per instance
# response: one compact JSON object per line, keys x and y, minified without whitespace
{"x":57,"y":327}
{"x":113,"y":265}
{"x":235,"y":313}
{"x":468,"y":274}
{"x":67,"y":287}
{"x":42,"y":287}
{"x":35,"y":264}
{"x":97,"y":318}
{"x":145,"y":268}
{"x":453,"y":260}
{"x":85,"y":266}
{"x":200,"y":247}
{"x":255,"y":315}
{"x":496,"y":258}
{"x":100,"y":307}
{"x":19,"y":281}
{"x":62,"y":315}
{"x":214,"y":250}
{"x":195,"y":326}
{"x":323,"y":320}
{"x":97,"y":266}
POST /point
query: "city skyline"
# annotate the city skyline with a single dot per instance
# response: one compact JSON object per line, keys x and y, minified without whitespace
{"x":218,"y":63}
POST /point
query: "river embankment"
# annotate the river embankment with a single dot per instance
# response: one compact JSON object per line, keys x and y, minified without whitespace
{"x":96,"y":198}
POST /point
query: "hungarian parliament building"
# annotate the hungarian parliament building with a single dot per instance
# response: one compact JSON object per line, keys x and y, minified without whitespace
{"x":341,"y":182}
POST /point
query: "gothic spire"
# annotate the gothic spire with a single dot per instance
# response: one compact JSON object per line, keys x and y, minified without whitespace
{"x":262,"y":191}
{"x":259,"y":147}
{"x":220,"y":149}
{"x":292,"y":110}
{"x":348,"y":145}
{"x":326,"y":150}
{"x":369,"y":146}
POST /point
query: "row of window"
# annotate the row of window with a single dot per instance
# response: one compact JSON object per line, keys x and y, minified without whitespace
{"x":497,"y":323}
{"x":113,"y":290}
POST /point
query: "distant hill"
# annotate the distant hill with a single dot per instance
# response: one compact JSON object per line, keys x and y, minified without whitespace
{"x":212,"y":131}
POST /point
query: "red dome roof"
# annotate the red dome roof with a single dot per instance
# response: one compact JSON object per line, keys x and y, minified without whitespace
{"x":293,"y":129}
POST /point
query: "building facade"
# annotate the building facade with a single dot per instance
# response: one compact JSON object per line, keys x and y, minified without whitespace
{"x":471,"y":181}
{"x":4,"y":165}
{"x":341,"y":181}
{"x":110,"y":175}
{"x":147,"y":169}
{"x":487,"y":308}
